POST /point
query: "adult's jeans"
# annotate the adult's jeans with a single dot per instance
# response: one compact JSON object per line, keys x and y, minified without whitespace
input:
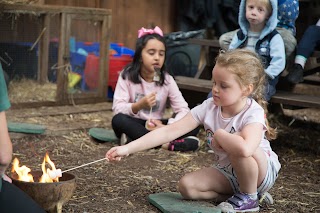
{"x":309,"y":41}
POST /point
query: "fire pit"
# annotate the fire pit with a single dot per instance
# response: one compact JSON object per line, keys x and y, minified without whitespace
{"x":51,"y":196}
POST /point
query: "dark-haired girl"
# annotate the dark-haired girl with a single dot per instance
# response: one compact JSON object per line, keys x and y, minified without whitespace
{"x":142,"y":92}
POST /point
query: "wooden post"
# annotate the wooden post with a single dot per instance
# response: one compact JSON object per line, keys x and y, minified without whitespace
{"x":61,"y":82}
{"x":44,"y":51}
{"x":104,"y":57}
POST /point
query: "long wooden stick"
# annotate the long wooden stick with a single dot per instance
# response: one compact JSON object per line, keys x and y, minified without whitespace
{"x":35,"y":43}
{"x":84,"y":165}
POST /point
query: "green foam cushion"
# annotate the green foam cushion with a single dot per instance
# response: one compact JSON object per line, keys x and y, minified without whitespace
{"x":102,"y":134}
{"x":26,"y":128}
{"x":172,"y":202}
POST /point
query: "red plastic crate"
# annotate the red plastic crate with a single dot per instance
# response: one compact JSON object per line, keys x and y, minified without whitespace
{"x":91,"y":70}
{"x":116,"y":65}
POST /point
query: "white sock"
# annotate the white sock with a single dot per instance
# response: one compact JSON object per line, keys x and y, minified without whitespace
{"x":253,"y":196}
{"x":299,"y":59}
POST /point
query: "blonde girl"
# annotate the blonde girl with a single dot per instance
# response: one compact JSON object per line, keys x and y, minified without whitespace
{"x":234,"y":119}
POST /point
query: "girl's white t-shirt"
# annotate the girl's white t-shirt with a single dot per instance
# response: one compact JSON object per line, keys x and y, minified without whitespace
{"x":209,"y":115}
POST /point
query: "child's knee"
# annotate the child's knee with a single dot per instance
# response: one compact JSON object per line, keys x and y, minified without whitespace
{"x":118,"y":119}
{"x":184,"y":187}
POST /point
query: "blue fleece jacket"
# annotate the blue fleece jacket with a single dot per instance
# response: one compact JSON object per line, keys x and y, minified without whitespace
{"x":276,"y":45}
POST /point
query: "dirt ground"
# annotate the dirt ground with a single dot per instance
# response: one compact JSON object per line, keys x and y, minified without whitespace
{"x":124,"y":186}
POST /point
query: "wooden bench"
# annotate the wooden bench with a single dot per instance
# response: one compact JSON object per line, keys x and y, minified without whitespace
{"x":194,"y":84}
{"x":194,"y":90}
{"x":205,"y":59}
{"x":294,"y":99}
{"x":189,"y":84}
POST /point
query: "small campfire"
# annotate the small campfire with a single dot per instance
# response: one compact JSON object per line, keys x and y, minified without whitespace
{"x":50,"y":193}
{"x":24,"y":174}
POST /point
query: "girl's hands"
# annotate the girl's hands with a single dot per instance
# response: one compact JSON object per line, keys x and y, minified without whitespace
{"x":157,"y":123}
{"x":153,"y":124}
{"x":116,"y":153}
{"x":148,"y":101}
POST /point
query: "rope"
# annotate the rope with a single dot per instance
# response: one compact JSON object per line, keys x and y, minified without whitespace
{"x":67,"y":69}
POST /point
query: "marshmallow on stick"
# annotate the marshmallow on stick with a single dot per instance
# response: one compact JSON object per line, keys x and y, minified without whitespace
{"x":157,"y":73}
{"x":58,"y":173}
{"x":55,"y":173}
{"x":150,"y":125}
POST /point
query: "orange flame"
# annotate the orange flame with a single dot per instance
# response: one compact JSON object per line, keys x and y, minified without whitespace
{"x":24,"y":172}
{"x":45,"y":178}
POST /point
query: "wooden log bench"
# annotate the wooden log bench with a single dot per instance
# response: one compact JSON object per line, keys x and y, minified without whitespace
{"x":196,"y":90}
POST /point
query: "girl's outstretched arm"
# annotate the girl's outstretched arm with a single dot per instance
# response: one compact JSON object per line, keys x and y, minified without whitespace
{"x":243,"y":143}
{"x":154,"y":138}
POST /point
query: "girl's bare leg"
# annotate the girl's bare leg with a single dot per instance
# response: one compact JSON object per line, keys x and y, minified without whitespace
{"x":204,"y":184}
{"x":250,"y":170}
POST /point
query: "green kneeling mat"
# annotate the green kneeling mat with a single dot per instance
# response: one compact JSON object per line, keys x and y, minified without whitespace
{"x":172,"y":202}
{"x":26,"y":128}
{"x":103,"y":134}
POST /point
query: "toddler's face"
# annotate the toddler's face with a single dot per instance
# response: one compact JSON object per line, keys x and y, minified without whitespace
{"x":257,"y":13}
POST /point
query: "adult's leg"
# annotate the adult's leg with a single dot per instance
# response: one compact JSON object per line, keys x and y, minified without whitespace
{"x":309,"y":41}
{"x":14,"y":200}
{"x":204,"y":184}
{"x":134,"y":128}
